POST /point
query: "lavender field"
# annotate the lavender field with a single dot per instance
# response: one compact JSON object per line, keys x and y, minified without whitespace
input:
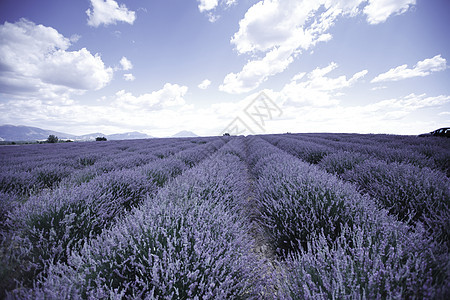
{"x":292,"y":216}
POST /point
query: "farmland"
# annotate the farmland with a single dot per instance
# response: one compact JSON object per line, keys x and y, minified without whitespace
{"x":292,"y":216}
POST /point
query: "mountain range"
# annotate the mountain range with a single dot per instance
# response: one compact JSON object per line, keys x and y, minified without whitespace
{"x":185,"y":133}
{"x":28,"y":133}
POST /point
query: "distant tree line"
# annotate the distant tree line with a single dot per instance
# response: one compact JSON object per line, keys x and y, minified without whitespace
{"x":52,"y":138}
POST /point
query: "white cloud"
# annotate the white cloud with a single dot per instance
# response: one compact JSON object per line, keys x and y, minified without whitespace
{"x":206,"y":5}
{"x":257,"y":71}
{"x":275,"y":32}
{"x":129,"y":77}
{"x":376,"y":88}
{"x":317,"y":89}
{"x":212,"y":17}
{"x":148,"y":113}
{"x":35,"y":62}
{"x":126,"y":64}
{"x":108,"y":12}
{"x":269,"y":24}
{"x":204,"y":84}
{"x":310,"y":103}
{"x":408,"y":103}
{"x":170,"y":95}
{"x":421,"y":69}
{"x":210,"y":6}
{"x":159,"y":113}
{"x":229,"y":3}
{"x":396,"y":116}
{"x":379,"y":10}
{"x":87,"y":71}
{"x":281,"y":30}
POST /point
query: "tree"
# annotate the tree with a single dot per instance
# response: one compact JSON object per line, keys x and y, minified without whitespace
{"x":102,"y":138}
{"x":52,"y":139}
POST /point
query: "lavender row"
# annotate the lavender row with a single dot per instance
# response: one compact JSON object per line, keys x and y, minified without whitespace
{"x":18,"y":157}
{"x":193,"y":147}
{"x":422,"y":152}
{"x":47,"y":227}
{"x":44,"y":170}
{"x":407,"y":191}
{"x":378,"y":151}
{"x":435,"y":148}
{"x":336,"y":243}
{"x":17,"y":186}
{"x":394,"y":141}
{"x":390,"y":141}
{"x":308,"y":151}
{"x":188,"y":242}
{"x":81,"y":155}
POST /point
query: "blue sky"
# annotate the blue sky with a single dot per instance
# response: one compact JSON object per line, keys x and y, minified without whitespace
{"x":159,"y":67}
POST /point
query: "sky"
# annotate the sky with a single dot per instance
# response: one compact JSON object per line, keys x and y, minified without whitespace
{"x":215,"y":66}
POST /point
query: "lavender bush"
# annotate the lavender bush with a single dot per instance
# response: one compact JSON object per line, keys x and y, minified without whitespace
{"x":307,"y":151}
{"x":409,"y":192}
{"x":364,"y":264}
{"x":164,"y":252}
{"x":316,"y":221}
{"x":341,"y":161}
{"x":189,"y":241}
{"x":47,"y":226}
{"x":14,"y":182}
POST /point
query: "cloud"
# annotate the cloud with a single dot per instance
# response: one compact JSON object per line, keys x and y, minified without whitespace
{"x":34,"y":61}
{"x":126,"y":64}
{"x":129,"y":77}
{"x":376,"y":88}
{"x":310,"y":103}
{"x":269,"y":24}
{"x":108,"y":12}
{"x":421,"y":69}
{"x":397,"y":115}
{"x":209,"y":6}
{"x":307,"y":100}
{"x":274,"y":33}
{"x":280,"y":30}
{"x":147,"y":113}
{"x":204,"y":84}
{"x":317,"y":89}
{"x":160,"y":111}
{"x":212,"y":17}
{"x":408,"y":103}
{"x":378,"y":11}
{"x":257,"y":71}
{"x":87,"y":71}
{"x":169,"y":96}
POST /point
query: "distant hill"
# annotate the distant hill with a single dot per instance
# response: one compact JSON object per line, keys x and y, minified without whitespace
{"x":89,"y":137}
{"x":134,"y":135}
{"x":185,"y":133}
{"x":31,"y":134}
{"x":27,"y":133}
